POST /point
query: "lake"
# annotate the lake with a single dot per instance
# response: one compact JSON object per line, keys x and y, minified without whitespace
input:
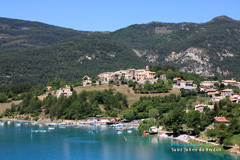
{"x":31,"y":142}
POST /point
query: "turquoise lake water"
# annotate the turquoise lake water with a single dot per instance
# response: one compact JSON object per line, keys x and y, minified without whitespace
{"x":19,"y":143}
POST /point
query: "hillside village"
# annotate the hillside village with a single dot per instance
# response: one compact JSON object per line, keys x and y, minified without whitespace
{"x":217,"y":90}
{"x":139,"y":76}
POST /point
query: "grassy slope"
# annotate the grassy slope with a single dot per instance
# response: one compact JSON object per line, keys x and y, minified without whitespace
{"x":236,"y":139}
{"x":131,"y":96}
{"x":4,"y":106}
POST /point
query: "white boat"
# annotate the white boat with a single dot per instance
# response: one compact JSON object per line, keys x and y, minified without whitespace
{"x":18,"y":124}
{"x":129,"y":131}
{"x":119,"y":132}
{"x":40,"y":125}
{"x":9,"y":122}
{"x":1,"y":123}
{"x":51,"y":128}
{"x":53,"y":124}
{"x":120,"y":125}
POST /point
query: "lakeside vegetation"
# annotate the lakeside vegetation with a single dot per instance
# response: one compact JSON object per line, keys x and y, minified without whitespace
{"x":77,"y":106}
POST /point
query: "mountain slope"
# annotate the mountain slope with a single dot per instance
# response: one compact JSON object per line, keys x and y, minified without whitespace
{"x":37,"y":53}
{"x":211,"y":48}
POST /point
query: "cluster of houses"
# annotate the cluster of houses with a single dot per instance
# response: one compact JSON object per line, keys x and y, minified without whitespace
{"x":139,"y":75}
{"x":180,"y":83}
{"x":202,"y":107}
{"x":62,"y":91}
{"x":208,"y":88}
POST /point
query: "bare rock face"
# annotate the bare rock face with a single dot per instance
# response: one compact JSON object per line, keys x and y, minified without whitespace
{"x":152,"y":58}
{"x":139,"y":53}
{"x":194,"y":60}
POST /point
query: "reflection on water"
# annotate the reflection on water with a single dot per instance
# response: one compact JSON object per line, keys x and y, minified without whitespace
{"x":66,"y":150}
{"x":78,"y":143}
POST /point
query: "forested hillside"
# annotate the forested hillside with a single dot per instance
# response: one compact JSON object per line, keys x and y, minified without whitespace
{"x":36,"y":53}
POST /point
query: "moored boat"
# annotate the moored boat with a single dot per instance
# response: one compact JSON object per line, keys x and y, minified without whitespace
{"x":51,"y":128}
{"x":145,"y":134}
{"x":129,"y":131}
{"x":1,"y":123}
{"x":112,"y":122}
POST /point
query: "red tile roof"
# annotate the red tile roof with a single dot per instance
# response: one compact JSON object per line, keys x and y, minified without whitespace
{"x":220,"y":119}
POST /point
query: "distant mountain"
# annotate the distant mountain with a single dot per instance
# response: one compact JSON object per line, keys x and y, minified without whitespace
{"x":37,"y":53}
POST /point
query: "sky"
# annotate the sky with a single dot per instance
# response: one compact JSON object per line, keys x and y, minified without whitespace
{"x":111,"y":15}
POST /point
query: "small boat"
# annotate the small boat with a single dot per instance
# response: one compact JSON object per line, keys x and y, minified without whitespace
{"x":118,"y":125}
{"x":18,"y":124}
{"x":119,"y":132}
{"x":41,"y":131}
{"x":40,"y":125}
{"x":1,"y":123}
{"x":129,"y":131}
{"x":145,"y":134}
{"x":112,"y":122}
{"x":153,"y":130}
{"x":52,"y":124}
{"x":9,"y":122}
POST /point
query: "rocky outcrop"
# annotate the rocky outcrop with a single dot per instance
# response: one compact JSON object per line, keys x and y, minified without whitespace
{"x":194,"y":60}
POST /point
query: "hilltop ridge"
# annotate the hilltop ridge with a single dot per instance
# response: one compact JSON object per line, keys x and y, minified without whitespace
{"x":35,"y":52}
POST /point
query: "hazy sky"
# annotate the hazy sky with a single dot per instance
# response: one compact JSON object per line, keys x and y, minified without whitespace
{"x":110,"y":15}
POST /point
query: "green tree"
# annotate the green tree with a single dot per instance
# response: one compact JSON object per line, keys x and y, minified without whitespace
{"x":193,"y":119}
{"x":222,"y":131}
{"x":227,"y":142}
{"x":211,"y":133}
{"x":128,"y":114}
{"x":3,"y":98}
{"x":153,"y":113}
{"x":174,"y":119}
{"x":146,"y":124}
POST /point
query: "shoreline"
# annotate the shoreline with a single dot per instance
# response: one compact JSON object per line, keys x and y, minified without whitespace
{"x":31,"y":121}
{"x":68,"y":122}
{"x":188,"y":139}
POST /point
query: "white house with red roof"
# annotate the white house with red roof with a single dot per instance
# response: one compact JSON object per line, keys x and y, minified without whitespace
{"x":218,"y":120}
